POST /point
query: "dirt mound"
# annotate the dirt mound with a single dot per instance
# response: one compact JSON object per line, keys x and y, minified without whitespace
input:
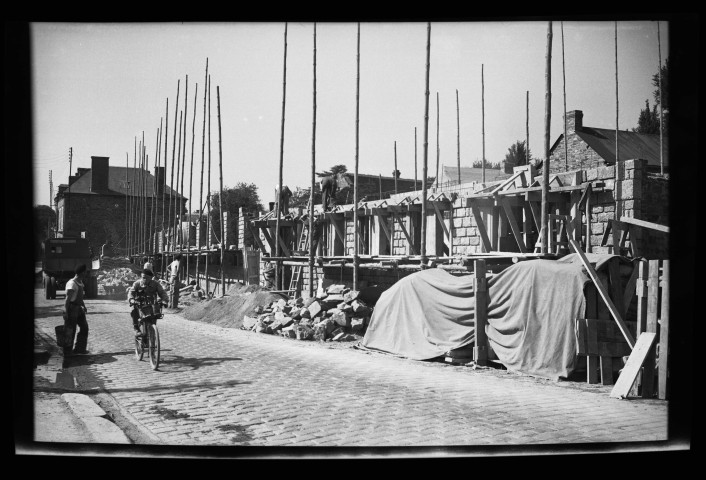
{"x":228,"y":311}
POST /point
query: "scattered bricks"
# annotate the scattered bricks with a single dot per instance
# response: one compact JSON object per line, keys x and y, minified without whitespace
{"x":299,"y":302}
{"x":248,"y":322}
{"x":335,"y":298}
{"x":350,"y":296}
{"x":337,"y":333}
{"x":279,"y":316}
{"x":346,"y":308}
{"x":303,"y":332}
{"x":338,"y":336}
{"x":320,"y":332}
{"x":287,"y":308}
{"x":314,"y":309}
{"x":306,"y":323}
{"x":304,"y":313}
{"x":357,"y":324}
{"x":360,"y":308}
{"x":281,"y":303}
{"x":262,"y":327}
{"x":275,"y":327}
{"x":308,"y":302}
{"x":341,"y":318}
{"x":295,"y":313}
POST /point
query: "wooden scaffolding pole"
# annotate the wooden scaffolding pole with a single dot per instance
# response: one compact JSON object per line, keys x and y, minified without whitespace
{"x":164,"y":181}
{"x":547,"y":123}
{"x":563,"y":73}
{"x":133,"y":209}
{"x":423,"y":249}
{"x":482,"y":116}
{"x":661,"y":116}
{"x":182,"y":204}
{"x":127,"y":208}
{"x":191,"y":179}
{"x":395,"y":172}
{"x":438,"y":147}
{"x":220,"y":197}
{"x":177,"y":193}
{"x":458,"y":138}
{"x":527,"y":150}
{"x":356,"y":240}
{"x":617,"y":106}
{"x":203,"y":158}
{"x":415,"y":159}
{"x":312,"y":243}
{"x":208,"y":188}
{"x":153,"y":216}
{"x":278,"y":205}
{"x":171,"y":180}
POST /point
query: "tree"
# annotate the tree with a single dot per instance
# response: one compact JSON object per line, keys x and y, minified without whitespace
{"x":44,"y":225}
{"x":300,"y":197}
{"x":479,"y":164}
{"x":648,"y":121}
{"x":665,"y":86}
{"x":333,"y":170}
{"x":242,"y":195}
{"x":517,"y":155}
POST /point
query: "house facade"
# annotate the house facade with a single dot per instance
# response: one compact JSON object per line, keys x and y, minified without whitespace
{"x":102,"y":200}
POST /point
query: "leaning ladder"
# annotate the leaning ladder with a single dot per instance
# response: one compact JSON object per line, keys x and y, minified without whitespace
{"x":297,"y":269}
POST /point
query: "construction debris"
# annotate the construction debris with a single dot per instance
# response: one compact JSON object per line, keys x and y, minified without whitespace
{"x":116,"y":275}
{"x":335,"y":314}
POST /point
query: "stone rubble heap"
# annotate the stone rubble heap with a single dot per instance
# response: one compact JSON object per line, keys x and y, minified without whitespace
{"x":335,"y":314}
{"x":116,"y":275}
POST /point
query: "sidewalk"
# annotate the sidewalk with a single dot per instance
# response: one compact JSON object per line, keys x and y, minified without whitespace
{"x":63,"y":412}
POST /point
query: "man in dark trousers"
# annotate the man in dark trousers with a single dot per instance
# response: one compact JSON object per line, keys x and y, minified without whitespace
{"x":148,"y":289}
{"x":75,"y":314}
{"x":284,"y":200}
{"x":329,"y":186}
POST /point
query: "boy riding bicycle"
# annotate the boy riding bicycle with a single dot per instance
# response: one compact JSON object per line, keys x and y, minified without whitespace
{"x":145,"y":288}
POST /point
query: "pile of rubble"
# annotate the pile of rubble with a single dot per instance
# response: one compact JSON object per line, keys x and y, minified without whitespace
{"x":117,"y":275}
{"x":336,"y":314}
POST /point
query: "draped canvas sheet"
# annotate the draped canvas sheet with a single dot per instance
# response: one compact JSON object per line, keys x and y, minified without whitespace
{"x":423,"y":315}
{"x":532,"y":307}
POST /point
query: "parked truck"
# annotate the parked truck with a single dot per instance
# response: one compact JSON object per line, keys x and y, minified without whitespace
{"x":60,"y":257}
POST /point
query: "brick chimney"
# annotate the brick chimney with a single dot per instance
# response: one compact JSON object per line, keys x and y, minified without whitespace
{"x":160,"y":179}
{"x":99,"y":174}
{"x":574,"y":121}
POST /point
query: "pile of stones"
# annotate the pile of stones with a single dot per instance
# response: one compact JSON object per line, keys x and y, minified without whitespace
{"x":335,"y":314}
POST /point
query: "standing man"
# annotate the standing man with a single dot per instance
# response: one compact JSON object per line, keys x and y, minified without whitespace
{"x":329,"y":185}
{"x":283,"y":199}
{"x":174,"y":269}
{"x":75,"y":314}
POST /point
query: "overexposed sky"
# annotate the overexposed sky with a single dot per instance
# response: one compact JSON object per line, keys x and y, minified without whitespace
{"x":96,"y":87}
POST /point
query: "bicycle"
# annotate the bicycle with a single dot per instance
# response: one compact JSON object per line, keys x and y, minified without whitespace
{"x":149,"y":312}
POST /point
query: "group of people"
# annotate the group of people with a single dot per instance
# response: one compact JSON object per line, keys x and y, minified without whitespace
{"x":145,"y":288}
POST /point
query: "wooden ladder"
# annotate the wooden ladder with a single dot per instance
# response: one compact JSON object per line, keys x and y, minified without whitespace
{"x":297,"y":269}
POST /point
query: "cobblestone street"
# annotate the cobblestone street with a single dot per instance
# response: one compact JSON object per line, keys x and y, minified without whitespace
{"x":219,"y":386}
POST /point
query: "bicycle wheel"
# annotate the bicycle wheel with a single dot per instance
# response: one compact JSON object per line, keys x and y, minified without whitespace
{"x":139,"y":351}
{"x":153,"y":337}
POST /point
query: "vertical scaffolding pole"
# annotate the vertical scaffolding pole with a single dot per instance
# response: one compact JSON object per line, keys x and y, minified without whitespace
{"x":164,"y":181}
{"x":278,"y":212}
{"x":191,"y":179}
{"x":177,"y":193}
{"x":438,"y":148}
{"x":313,"y":183}
{"x":220,"y":197}
{"x":661,"y":117}
{"x":482,"y":115}
{"x":208,"y":189}
{"x":203,"y":158}
{"x":547,"y":123}
{"x":395,"y":172}
{"x":458,"y":138}
{"x":171,"y":181}
{"x":127,"y":209}
{"x":182,"y":204}
{"x":563,"y":73}
{"x":527,"y":151}
{"x":356,"y":240}
{"x":415,"y":159}
{"x":423,"y":249}
{"x":617,"y":106}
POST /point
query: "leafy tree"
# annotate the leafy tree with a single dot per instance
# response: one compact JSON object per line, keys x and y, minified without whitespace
{"x":44,"y":225}
{"x":242,"y":195}
{"x":648,"y":121}
{"x":300,"y":196}
{"x":479,"y":164}
{"x":517,"y":154}
{"x":333,"y":170}
{"x":665,"y":86}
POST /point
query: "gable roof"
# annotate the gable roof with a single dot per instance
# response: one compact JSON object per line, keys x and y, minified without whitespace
{"x":631,"y":145}
{"x":117,"y":183}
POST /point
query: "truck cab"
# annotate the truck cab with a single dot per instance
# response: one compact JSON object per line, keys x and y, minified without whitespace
{"x":60,"y":256}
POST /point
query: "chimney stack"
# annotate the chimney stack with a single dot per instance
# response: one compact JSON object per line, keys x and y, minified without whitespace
{"x":574,"y":121}
{"x":160,"y":179}
{"x":99,"y":174}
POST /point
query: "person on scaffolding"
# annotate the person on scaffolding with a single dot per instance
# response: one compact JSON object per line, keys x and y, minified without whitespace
{"x":146,"y":288}
{"x":329,"y":186}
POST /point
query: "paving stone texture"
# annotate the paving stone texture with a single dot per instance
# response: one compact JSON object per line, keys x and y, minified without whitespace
{"x":220,"y":386}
